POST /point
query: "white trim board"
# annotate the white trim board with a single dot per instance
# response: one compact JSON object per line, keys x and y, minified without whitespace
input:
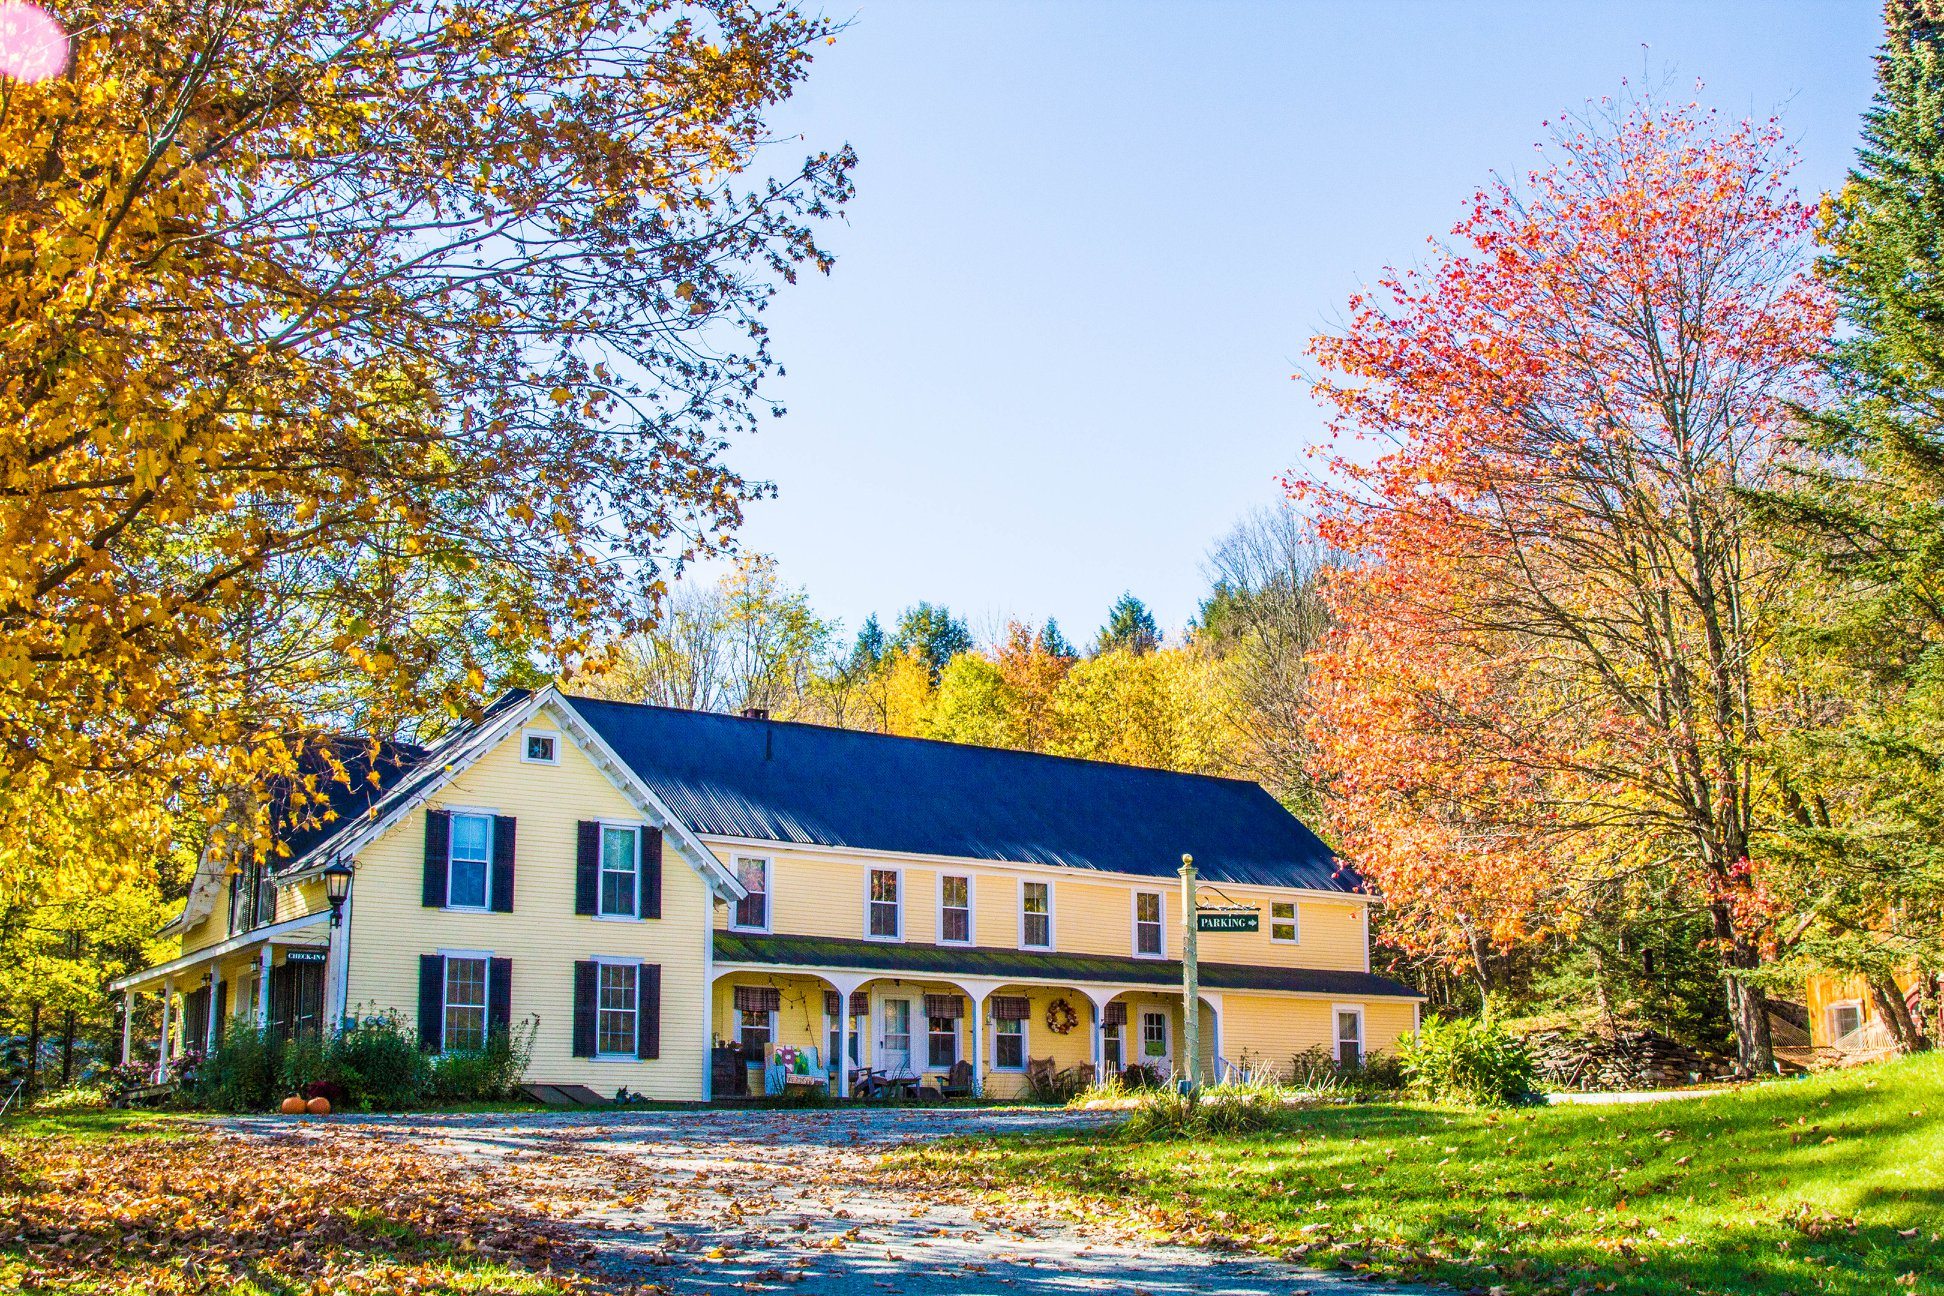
{"x":356,"y":836}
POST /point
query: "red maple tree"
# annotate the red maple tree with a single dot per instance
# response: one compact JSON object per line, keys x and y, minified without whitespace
{"x":1553,"y":605}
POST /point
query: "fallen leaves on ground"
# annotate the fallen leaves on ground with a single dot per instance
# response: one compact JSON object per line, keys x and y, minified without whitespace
{"x":207,"y":1213}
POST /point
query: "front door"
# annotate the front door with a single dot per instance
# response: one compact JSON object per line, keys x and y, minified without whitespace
{"x":1154,"y":1042}
{"x":895,"y":1042}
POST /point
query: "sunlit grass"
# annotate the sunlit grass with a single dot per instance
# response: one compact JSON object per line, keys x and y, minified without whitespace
{"x":1833,"y":1184}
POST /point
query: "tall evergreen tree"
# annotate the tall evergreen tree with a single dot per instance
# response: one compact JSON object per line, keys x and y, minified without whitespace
{"x":934,"y":632}
{"x":1053,"y":642}
{"x":1130,"y":626}
{"x":1867,"y":503}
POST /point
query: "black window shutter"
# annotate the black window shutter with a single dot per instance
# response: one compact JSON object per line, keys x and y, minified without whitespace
{"x":222,"y":1010}
{"x":651,"y":872}
{"x":499,"y":996}
{"x":648,"y":1012}
{"x":438,"y":846}
{"x":584,"y":1009}
{"x":587,"y":868}
{"x":503,"y":833}
{"x":431,"y":1024}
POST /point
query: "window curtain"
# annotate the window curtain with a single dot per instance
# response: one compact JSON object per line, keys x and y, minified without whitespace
{"x":1011,"y":1008}
{"x":758,"y":999}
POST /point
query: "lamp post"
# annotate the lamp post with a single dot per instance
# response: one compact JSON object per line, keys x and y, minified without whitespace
{"x":337,"y":885}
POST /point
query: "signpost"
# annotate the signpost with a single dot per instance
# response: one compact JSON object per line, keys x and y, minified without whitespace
{"x":1190,"y":991}
{"x":1194,"y":919}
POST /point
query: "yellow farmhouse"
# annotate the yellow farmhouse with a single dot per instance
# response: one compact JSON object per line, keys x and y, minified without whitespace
{"x":691,"y":905}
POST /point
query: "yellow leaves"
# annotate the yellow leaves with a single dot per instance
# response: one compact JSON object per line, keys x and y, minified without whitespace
{"x":562,"y":396}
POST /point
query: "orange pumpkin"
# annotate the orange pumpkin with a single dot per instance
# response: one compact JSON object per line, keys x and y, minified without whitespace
{"x":318,"y":1107}
{"x":293,"y":1106}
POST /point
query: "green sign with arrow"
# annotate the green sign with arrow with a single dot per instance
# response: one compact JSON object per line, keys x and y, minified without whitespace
{"x":1227,"y":920}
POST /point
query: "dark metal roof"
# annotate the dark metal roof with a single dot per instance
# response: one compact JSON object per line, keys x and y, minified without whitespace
{"x":778,"y":781}
{"x":974,"y":961}
{"x":372,"y":770}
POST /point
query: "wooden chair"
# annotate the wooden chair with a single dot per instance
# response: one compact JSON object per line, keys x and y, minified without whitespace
{"x":958,"y":1081}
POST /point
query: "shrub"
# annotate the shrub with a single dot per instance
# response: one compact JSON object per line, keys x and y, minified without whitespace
{"x":1172,"y":1114}
{"x":243,"y":1071}
{"x":481,"y":1075}
{"x":378,"y":1064}
{"x":85,"y":1095}
{"x":1467,"y":1060}
{"x":302,"y":1063}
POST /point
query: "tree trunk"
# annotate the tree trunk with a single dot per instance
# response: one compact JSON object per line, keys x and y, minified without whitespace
{"x":1600,"y":982}
{"x":1481,"y":968}
{"x":1895,"y":1013}
{"x":33,"y":1051}
{"x":67,"y":1046}
{"x":1747,"y":1004}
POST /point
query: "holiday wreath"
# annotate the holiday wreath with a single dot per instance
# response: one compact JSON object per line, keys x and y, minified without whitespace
{"x":1060,"y":1017}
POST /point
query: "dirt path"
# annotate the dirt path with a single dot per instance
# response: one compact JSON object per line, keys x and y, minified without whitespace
{"x":720,"y":1202}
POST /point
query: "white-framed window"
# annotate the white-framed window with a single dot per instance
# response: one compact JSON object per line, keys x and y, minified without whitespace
{"x":757,"y":1029}
{"x":1154,"y":1038}
{"x":465,"y":1002}
{"x":1035,"y":915}
{"x":1282,"y":922}
{"x":752,"y":912}
{"x":1349,"y":1034}
{"x":617,"y":1005}
{"x":1845,"y":1018}
{"x":619,"y":895}
{"x":954,"y":909}
{"x":942,"y":1042}
{"x":540,"y":747}
{"x":469,"y":861}
{"x":1009,"y":1045}
{"x":1149,"y":941}
{"x":884,"y":903}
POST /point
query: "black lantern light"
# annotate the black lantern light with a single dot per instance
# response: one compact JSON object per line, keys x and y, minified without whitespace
{"x":337,"y":885}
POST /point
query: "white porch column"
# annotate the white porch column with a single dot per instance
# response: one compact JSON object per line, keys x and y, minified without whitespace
{"x":162,"y":1042}
{"x":264,"y":962}
{"x":128,"y":1024}
{"x":212,"y":979}
{"x":1099,"y":998}
{"x":337,"y":975}
{"x":845,"y":985}
{"x":978,"y":992}
{"x":1214,"y":1002}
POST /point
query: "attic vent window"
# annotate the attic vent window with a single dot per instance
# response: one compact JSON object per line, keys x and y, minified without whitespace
{"x":542,"y":749}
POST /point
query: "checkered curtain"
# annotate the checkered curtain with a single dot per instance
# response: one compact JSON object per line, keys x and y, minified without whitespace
{"x":758,"y":999}
{"x":1011,"y":1008}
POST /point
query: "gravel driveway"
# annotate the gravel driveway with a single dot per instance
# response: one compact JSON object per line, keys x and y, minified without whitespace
{"x":729,"y":1201}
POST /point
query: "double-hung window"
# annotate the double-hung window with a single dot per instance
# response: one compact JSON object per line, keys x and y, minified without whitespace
{"x":1036,"y":915}
{"x":752,"y":911}
{"x":1349,"y":1037}
{"x":886,"y":920}
{"x":620,"y":872}
{"x":955,"y":910}
{"x":469,"y":858}
{"x":619,"y":985}
{"x":1009,"y":1013}
{"x":1147,"y":924}
{"x":1282,"y":922}
{"x":465,"y":1003}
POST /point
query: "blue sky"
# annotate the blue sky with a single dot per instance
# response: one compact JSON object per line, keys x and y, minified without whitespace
{"x":1091,"y":240}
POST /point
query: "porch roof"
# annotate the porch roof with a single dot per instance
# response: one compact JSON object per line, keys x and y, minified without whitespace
{"x":249,"y":940}
{"x":987,"y":962}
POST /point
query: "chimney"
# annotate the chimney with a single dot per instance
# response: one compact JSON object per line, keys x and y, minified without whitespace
{"x":755,"y":713}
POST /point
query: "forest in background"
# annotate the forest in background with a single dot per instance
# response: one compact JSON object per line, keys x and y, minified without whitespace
{"x":1602,"y":634}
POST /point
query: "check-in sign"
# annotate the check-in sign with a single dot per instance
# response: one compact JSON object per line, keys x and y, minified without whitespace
{"x":1227,"y":920}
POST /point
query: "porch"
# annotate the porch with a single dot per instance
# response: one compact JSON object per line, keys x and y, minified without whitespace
{"x":920,"y":1034}
{"x":273,"y":975}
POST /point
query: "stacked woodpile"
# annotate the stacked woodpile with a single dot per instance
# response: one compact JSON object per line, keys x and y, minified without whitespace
{"x":1617,"y":1059}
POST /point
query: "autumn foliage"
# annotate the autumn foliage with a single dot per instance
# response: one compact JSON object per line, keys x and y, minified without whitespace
{"x":1550,"y":663}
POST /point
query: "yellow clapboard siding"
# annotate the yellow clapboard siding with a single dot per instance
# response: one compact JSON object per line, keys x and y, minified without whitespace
{"x":823,"y":893}
{"x":542,"y":936}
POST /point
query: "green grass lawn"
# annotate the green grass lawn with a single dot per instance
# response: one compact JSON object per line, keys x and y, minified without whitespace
{"x":1832,"y":1184}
